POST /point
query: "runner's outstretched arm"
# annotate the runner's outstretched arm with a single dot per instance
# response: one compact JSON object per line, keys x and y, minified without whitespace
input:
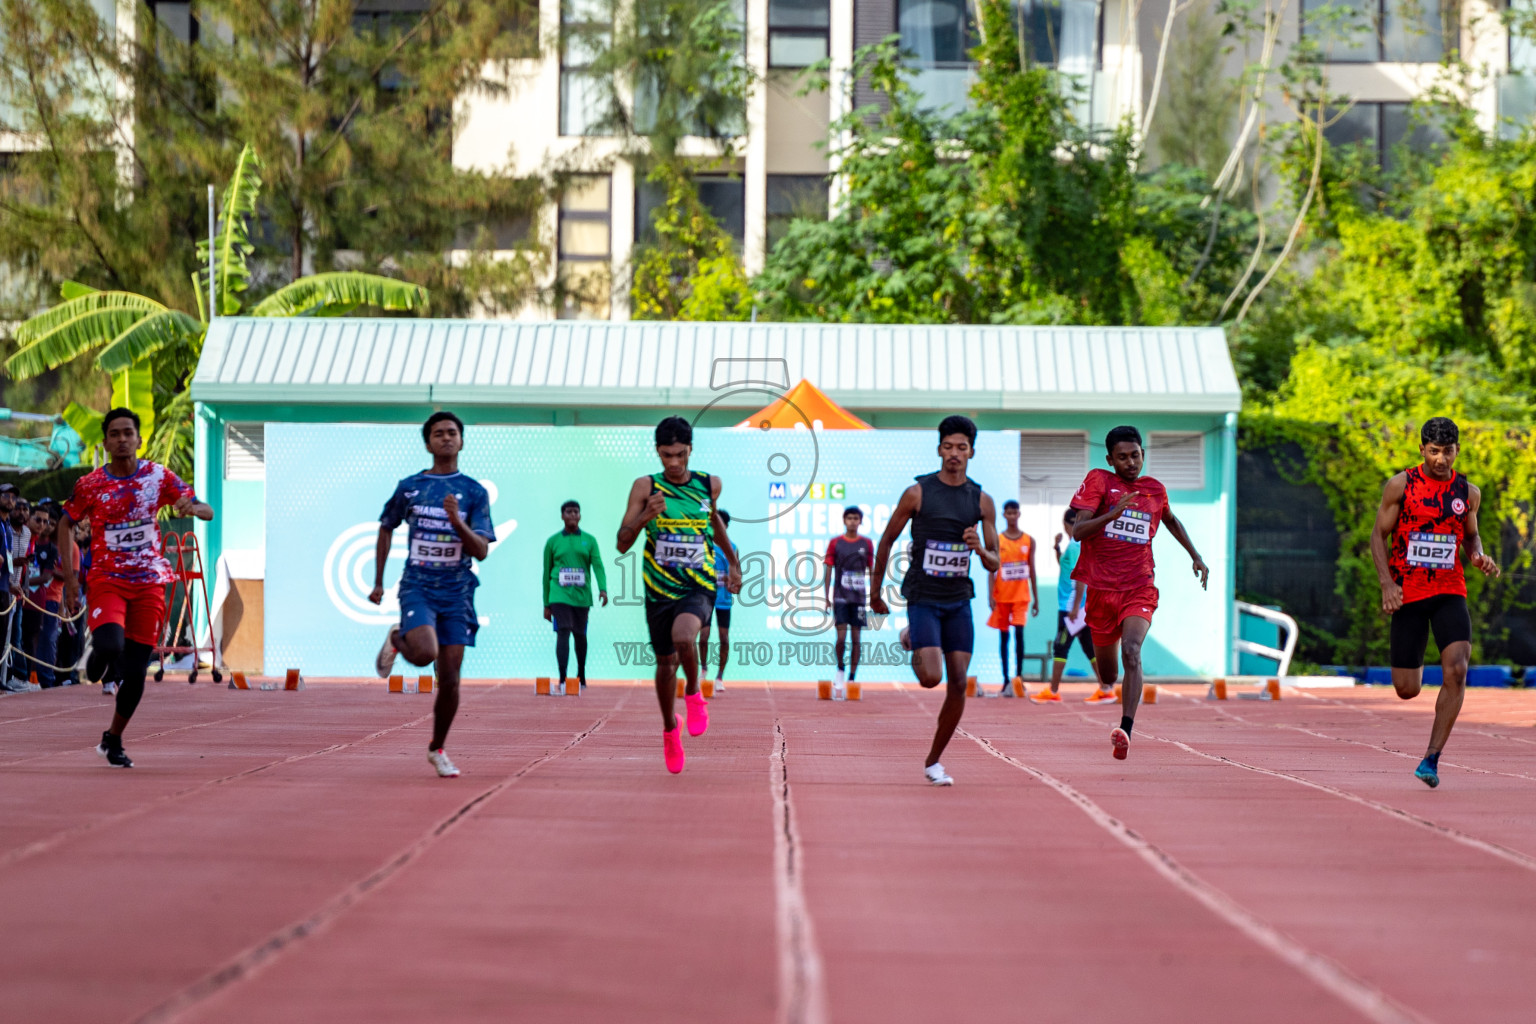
{"x":909,"y":505}
{"x":476,"y":546}
{"x":733,"y":580}
{"x":1386,"y":522}
{"x":380,"y":556}
{"x":1474,"y":539}
{"x":985,"y":545}
{"x":642,"y":508}
{"x":1182,"y":536}
{"x":1085,"y":526}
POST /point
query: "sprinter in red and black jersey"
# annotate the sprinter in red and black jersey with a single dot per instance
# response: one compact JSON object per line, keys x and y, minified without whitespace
{"x":1426,"y":526}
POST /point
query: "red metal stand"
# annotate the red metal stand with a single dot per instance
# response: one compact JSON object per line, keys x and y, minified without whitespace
{"x":182,"y":551}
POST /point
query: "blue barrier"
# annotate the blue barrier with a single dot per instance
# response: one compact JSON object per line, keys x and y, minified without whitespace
{"x":1477,"y":675}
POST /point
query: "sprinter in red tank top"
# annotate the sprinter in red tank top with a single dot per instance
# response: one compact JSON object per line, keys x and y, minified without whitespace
{"x":1426,"y":526}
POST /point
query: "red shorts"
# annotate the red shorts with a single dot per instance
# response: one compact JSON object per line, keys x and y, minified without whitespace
{"x":1009,"y":614}
{"x":138,"y":607}
{"x":1108,"y":609}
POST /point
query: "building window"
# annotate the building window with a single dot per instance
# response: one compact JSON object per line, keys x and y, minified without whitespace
{"x":1064,"y":34}
{"x":798,"y":32}
{"x":174,"y":20}
{"x":1391,"y":31}
{"x":724,"y":197}
{"x":1522,"y":48}
{"x":245,"y":451}
{"x":584,"y":96}
{"x":586,"y":220}
{"x":1177,"y":460}
{"x":793,"y":197}
{"x":1384,"y":129}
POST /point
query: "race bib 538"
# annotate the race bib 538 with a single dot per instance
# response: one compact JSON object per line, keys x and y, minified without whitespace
{"x":944,"y":559}
{"x":436,"y":549}
{"x":1131,"y":526}
{"x":1432,"y":550}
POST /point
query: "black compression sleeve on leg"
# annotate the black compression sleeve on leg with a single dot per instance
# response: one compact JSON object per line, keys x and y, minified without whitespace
{"x":106,"y":644}
{"x":1126,"y":722}
{"x":1018,"y":653}
{"x":1002,"y":643}
{"x":581,"y":656}
{"x":563,"y":651}
{"x":134,"y":663}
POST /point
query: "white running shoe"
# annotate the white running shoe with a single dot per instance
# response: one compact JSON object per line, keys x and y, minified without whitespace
{"x":936,"y":775}
{"x":445,"y":768}
{"x":840,"y":678}
{"x":719,"y":685}
{"x":109,"y":689}
{"x":1121,"y":741}
{"x":386,"y":658}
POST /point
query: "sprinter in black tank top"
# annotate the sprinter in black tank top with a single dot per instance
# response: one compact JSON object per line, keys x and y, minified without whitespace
{"x":944,"y":509}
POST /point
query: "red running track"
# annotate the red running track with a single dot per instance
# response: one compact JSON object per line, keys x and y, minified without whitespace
{"x":290,"y":857}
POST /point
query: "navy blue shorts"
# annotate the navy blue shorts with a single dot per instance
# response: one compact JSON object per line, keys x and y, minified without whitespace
{"x":453,"y":617}
{"x":948,"y":627}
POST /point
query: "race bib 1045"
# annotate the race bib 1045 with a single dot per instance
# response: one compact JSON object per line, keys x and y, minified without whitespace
{"x":573,"y":577}
{"x":1015,"y":570}
{"x":944,"y":559}
{"x":436,"y":549}
{"x":1432,"y":550}
{"x":132,"y":536}
{"x":1131,"y":526}
{"x":680,"y":550}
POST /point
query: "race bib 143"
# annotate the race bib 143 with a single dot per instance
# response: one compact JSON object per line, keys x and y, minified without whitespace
{"x":132,"y":536}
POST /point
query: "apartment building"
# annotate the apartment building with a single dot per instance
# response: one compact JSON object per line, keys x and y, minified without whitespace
{"x":781,"y":170}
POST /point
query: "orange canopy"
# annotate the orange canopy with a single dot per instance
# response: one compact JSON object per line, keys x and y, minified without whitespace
{"x":805,"y":402}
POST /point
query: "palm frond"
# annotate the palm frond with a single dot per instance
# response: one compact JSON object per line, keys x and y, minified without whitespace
{"x":74,"y":289}
{"x":134,"y":388}
{"x":171,"y":443}
{"x":148,"y":336}
{"x":85,"y":422}
{"x":232,"y":241}
{"x":317,"y":293}
{"x":86,"y":324}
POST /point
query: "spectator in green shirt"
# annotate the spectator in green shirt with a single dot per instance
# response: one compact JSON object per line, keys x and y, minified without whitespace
{"x":571,"y":560}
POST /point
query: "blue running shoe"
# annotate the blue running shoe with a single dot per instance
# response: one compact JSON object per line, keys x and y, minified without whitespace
{"x":1427,"y":772}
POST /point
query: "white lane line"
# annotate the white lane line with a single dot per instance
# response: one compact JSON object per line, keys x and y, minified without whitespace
{"x":802,"y":996}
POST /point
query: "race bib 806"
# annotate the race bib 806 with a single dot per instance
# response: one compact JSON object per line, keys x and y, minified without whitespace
{"x":1432,"y":550}
{"x":944,"y":559}
{"x":1131,"y":526}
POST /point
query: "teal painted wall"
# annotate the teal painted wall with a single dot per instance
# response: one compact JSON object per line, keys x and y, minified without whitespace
{"x":1208,"y":513}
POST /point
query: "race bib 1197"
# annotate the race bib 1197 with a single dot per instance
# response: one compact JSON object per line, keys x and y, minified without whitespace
{"x":944,"y":559}
{"x":1131,"y":526}
{"x":680,"y":550}
{"x":1432,"y":550}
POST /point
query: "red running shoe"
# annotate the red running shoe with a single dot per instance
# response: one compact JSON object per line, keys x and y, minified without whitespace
{"x":1122,"y":742}
{"x":672,"y":749}
{"x":698,"y":714}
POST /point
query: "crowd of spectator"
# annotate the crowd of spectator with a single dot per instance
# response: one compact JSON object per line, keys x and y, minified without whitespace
{"x":42,"y":650}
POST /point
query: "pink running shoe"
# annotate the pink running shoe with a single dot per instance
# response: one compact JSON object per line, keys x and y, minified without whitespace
{"x":1121,"y":742}
{"x":672,"y":749}
{"x":698,"y":714}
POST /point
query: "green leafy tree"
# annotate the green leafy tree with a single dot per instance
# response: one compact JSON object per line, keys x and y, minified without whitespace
{"x":353,"y":111}
{"x":150,"y":350}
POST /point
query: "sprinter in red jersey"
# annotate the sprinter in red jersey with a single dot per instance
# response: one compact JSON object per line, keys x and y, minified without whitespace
{"x":1426,"y":526}
{"x":1119,"y":515}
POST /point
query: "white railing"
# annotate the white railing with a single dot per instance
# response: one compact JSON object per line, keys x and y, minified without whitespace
{"x":1281,"y":654}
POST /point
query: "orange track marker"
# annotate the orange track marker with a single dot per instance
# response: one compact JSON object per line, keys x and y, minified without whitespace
{"x":294,"y":681}
{"x":540,"y":686}
{"x":855,"y":690}
{"x":682,"y":688}
{"x":824,"y":689}
{"x":1218,"y":690}
{"x":396,"y":684}
{"x":423,"y":684}
{"x":970,"y":686}
{"x":1273,"y":689}
{"x":1118,"y":698}
{"x":573,"y":687}
{"x":707,"y":688}
{"x":1018,"y":686}
{"x":237,"y":681}
{"x":1149,"y":693}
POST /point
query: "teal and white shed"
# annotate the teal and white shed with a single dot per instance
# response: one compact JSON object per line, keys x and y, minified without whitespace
{"x":303,"y":425}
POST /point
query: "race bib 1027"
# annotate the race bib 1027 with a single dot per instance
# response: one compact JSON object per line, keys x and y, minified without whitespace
{"x":680,"y":550}
{"x":1015,"y":571}
{"x":944,"y":559}
{"x":1432,"y":550}
{"x":436,"y":549}
{"x":131,"y":536}
{"x":573,"y":577}
{"x":1131,"y":526}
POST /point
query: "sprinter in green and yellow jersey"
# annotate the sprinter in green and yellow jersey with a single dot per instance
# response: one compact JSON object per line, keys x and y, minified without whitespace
{"x":677,"y":511}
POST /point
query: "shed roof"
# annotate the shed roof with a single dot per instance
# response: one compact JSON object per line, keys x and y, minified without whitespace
{"x":616,"y":364}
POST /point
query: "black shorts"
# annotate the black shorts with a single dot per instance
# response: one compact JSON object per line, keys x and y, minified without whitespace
{"x":722,"y":617}
{"x":1063,"y":644}
{"x":1446,"y":614}
{"x":568,"y":616}
{"x":846,"y":613}
{"x":660,"y":615}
